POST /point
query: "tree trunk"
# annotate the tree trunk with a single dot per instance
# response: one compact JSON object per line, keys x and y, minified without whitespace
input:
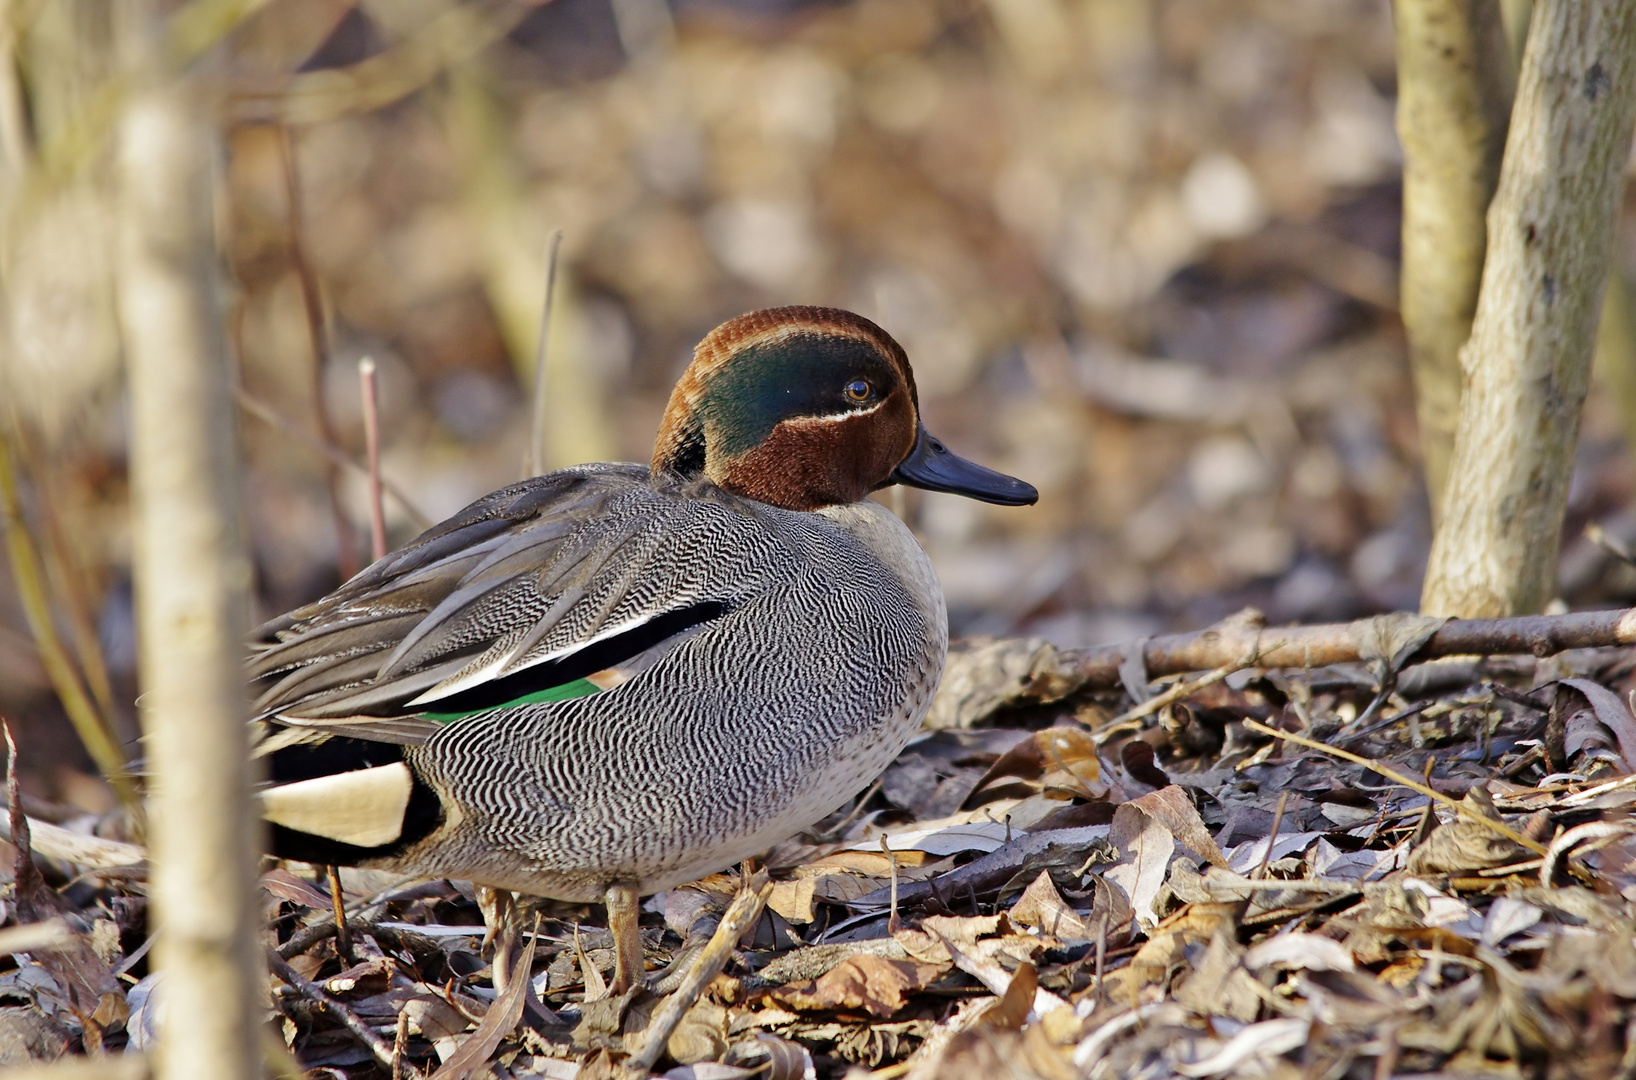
{"x":191,"y":578}
{"x":1527,"y":364}
{"x":1454,"y":93}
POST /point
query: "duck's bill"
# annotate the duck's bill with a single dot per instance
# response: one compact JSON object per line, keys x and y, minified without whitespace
{"x":932,"y":466}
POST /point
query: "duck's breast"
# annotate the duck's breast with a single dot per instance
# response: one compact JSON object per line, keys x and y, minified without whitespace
{"x":766,"y":720}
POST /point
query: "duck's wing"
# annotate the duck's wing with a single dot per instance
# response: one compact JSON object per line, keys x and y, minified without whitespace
{"x":558,"y":587}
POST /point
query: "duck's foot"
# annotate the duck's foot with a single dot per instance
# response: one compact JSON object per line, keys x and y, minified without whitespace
{"x":624,"y":911}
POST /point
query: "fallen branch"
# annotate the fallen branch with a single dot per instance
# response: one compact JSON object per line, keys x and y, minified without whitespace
{"x":1339,"y":643}
{"x":56,"y":842}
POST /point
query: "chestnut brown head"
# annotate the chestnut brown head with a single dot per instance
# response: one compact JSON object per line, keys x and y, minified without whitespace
{"x":807,"y":407}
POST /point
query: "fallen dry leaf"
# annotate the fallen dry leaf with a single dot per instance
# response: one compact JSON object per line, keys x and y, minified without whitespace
{"x":1042,"y":907}
{"x":864,"y":983}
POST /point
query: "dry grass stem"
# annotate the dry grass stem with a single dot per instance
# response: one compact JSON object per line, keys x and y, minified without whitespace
{"x":1272,"y":837}
{"x":893,"y":923}
{"x":372,"y":441}
{"x":1180,"y":692}
{"x":542,"y":354}
{"x":1398,"y":778}
{"x":90,"y":724}
{"x":459,"y":32}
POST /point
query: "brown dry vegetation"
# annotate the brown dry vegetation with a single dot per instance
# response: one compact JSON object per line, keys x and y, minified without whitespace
{"x":1141,"y":253}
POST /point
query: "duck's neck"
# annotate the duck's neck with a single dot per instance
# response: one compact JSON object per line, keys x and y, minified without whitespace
{"x":680,"y":447}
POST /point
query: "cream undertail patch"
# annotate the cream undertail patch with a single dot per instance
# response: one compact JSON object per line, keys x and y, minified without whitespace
{"x":364,"y":807}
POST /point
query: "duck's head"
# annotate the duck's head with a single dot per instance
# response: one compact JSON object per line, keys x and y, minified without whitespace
{"x":807,"y":407}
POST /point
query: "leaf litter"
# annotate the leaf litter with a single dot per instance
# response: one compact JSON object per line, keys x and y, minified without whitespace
{"x":1351,"y":871}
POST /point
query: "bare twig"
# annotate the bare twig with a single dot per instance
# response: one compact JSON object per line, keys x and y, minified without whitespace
{"x":839,"y":830}
{"x":741,"y":914}
{"x":312,"y":305}
{"x":372,"y":439}
{"x":273,"y":418}
{"x":893,"y":923}
{"x":1101,"y":952}
{"x":400,"y":1044}
{"x":1398,"y":778}
{"x":78,"y":848}
{"x":542,"y":352}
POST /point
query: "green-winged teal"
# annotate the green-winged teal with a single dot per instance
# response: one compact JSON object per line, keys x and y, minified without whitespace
{"x":611,"y":680}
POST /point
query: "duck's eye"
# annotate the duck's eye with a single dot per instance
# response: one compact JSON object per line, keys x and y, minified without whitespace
{"x":859,"y":390}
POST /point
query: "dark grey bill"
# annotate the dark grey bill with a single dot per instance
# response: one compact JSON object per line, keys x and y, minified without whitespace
{"x":932,"y":466}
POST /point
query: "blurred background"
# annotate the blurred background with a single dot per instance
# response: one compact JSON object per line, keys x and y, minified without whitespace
{"x":1142,"y":253}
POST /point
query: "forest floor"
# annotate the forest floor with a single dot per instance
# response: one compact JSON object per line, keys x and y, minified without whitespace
{"x":1076,"y":895}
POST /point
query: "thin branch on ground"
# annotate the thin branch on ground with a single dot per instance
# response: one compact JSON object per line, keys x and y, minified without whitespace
{"x":1179,"y":692}
{"x":351,"y":1020}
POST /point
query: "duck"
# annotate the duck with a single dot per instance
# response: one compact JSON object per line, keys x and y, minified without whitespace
{"x":603,"y":682}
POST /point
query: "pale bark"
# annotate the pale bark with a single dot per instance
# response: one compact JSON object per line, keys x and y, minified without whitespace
{"x":1454,"y":92}
{"x":1527,"y":364}
{"x":191,"y":578}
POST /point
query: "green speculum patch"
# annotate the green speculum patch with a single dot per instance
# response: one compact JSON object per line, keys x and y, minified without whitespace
{"x":566,"y":692}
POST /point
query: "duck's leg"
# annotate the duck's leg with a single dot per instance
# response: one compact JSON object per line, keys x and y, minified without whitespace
{"x":624,"y":910}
